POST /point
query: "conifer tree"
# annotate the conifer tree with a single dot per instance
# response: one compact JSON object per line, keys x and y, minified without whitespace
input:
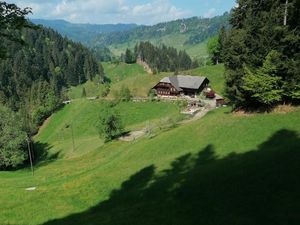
{"x":257,"y":31}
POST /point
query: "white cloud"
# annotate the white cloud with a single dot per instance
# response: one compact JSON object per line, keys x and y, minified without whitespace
{"x":104,"y":11}
{"x":157,"y":11}
{"x":210,"y":13}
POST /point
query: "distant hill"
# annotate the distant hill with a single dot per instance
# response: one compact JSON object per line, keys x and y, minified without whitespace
{"x":83,"y":32}
{"x":184,"y":34}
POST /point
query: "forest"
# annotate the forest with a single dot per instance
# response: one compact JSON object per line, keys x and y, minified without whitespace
{"x":160,"y":58}
{"x":37,"y":65}
{"x":198,"y":29}
{"x":261,"y":54}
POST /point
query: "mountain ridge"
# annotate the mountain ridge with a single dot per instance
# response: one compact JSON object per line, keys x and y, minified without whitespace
{"x":82,"y":32}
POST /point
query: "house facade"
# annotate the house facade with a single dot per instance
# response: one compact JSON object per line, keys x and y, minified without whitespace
{"x":181,"y":85}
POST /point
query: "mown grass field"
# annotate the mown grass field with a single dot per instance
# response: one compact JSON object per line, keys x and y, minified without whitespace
{"x":80,"y":117}
{"x":223,"y":169}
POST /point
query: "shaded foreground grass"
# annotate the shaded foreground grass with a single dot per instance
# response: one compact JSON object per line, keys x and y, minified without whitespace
{"x":258,"y":187}
{"x":222,"y":169}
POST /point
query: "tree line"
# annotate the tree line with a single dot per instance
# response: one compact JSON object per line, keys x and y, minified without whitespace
{"x":261,"y":53}
{"x":160,"y":58}
{"x":37,"y":65}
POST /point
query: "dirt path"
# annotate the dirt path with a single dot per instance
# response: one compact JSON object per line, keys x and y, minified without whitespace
{"x":133,"y":135}
{"x":197,"y":116}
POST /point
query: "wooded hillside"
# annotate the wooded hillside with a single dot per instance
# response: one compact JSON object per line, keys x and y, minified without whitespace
{"x":198,"y":29}
{"x":262,"y":53}
{"x":40,"y":70}
{"x":37,"y":65}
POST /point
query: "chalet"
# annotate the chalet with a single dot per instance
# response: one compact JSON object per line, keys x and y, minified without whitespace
{"x":181,"y":85}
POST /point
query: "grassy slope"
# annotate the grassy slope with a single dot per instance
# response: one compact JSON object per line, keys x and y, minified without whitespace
{"x":141,"y":83}
{"x":122,"y":71}
{"x":91,"y":88}
{"x":81,"y":115}
{"x":116,"y":73}
{"x":223,"y":169}
{"x":214,"y":73}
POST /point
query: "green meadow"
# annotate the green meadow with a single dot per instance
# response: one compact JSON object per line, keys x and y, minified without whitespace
{"x":80,"y":117}
{"x":140,"y":82}
{"x":226,"y":168}
{"x":222,"y":169}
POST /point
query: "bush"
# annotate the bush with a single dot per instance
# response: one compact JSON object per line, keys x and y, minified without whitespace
{"x":123,"y":95}
{"x":83,"y":93}
{"x":12,"y":139}
{"x":104,"y":90}
{"x":182,"y":104}
{"x":109,"y":123}
{"x":151,"y":95}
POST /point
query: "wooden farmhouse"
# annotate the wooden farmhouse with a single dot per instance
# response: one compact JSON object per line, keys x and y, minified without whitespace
{"x":181,"y":85}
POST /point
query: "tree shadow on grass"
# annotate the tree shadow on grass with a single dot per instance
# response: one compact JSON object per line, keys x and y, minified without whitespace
{"x":42,"y":154}
{"x":261,"y":186}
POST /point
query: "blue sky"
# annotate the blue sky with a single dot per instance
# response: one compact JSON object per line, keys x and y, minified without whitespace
{"x":124,"y":11}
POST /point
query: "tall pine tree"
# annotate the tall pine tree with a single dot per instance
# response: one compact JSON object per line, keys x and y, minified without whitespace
{"x":258,"y":29}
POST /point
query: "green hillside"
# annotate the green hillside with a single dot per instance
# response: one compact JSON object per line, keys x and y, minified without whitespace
{"x":140,"y":82}
{"x":222,"y":169}
{"x":111,"y":156}
{"x":177,"y":41}
{"x":82,"y":32}
{"x":215,"y":74}
{"x":81,"y":117}
{"x":184,"y":34}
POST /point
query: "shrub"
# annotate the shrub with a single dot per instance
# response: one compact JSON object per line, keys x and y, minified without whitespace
{"x":109,"y":123}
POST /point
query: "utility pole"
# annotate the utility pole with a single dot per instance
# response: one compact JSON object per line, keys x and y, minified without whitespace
{"x":30,"y":157}
{"x":285,"y":13}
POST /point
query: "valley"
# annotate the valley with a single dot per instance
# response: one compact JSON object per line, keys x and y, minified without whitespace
{"x":192,"y":121}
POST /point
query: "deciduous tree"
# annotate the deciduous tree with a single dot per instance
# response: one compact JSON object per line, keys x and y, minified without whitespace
{"x":12,"y":139}
{"x":109,"y":123}
{"x":12,"y":19}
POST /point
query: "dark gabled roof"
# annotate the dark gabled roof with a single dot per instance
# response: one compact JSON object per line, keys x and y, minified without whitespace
{"x":184,"y":81}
